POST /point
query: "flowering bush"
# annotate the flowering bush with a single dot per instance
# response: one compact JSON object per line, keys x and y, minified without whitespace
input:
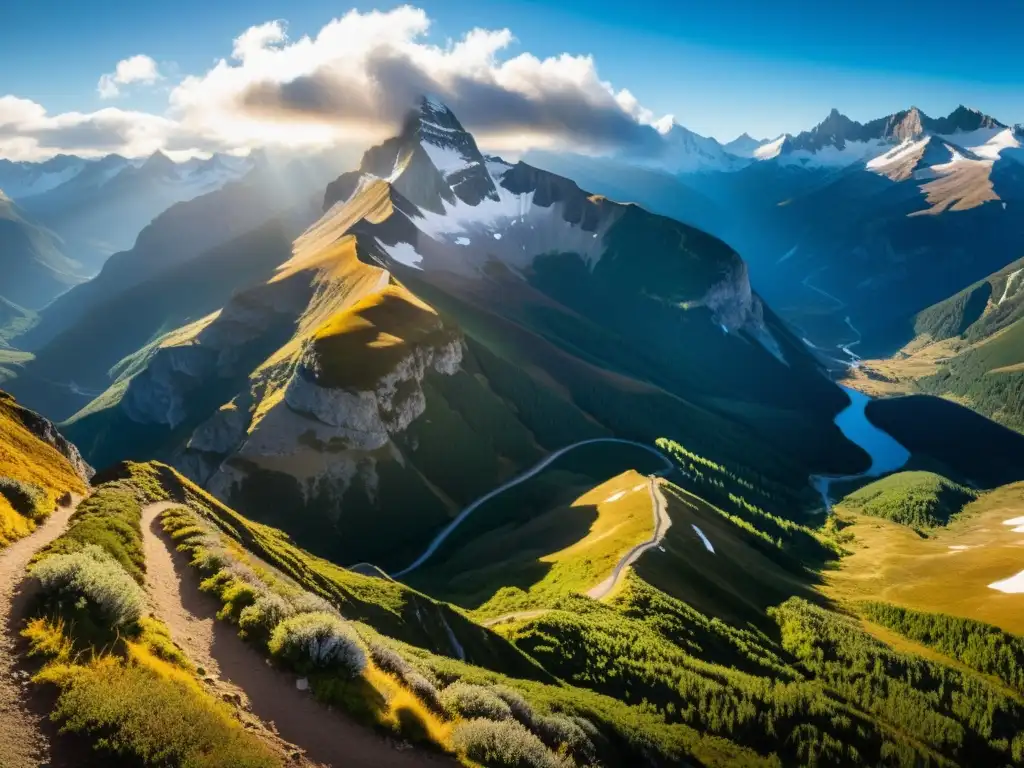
{"x":388,"y":660}
{"x":559,"y":731}
{"x":92,"y":574}
{"x":311,"y":641}
{"x":521,"y":709}
{"x":467,"y":700}
{"x":506,"y":744}
{"x":268,"y":610}
{"x":26,"y":499}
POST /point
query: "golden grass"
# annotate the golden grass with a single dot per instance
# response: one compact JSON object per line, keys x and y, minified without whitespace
{"x":565,"y":550}
{"x":13,"y":526}
{"x":142,"y":706}
{"x":25,"y":457}
{"x":314,"y":248}
{"x":405,"y":713}
{"x":897,"y":375}
{"x":48,"y":638}
{"x":891,"y":563}
{"x":359,"y":344}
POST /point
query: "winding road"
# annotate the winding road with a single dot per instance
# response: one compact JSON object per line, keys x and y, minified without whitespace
{"x":531,"y":472}
{"x":26,"y":735}
{"x":270,"y":704}
{"x":662,"y":522}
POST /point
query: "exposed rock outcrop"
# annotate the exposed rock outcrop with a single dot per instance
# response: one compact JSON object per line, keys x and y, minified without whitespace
{"x":46,"y":431}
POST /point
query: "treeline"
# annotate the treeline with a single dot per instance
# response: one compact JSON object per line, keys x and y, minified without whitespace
{"x":980,"y":646}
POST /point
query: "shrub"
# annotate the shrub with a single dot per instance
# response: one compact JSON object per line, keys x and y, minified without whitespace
{"x":209,"y":559}
{"x":26,"y":499}
{"x":140,"y":717}
{"x":267,"y":612}
{"x":425,"y":691}
{"x":507,"y":744}
{"x":388,"y":660}
{"x":558,"y":731}
{"x":307,"y":602}
{"x":469,"y":701}
{"x":92,"y":574}
{"x":521,"y":709}
{"x":310,"y":641}
{"x":237,"y":596}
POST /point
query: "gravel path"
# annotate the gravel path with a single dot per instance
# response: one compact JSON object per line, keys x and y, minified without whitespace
{"x":285,"y":715}
{"x":26,"y":735}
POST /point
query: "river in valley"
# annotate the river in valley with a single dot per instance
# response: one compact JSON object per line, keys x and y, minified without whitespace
{"x":886,"y":454}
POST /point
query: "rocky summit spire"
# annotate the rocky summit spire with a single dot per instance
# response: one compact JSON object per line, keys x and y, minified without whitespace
{"x":904,"y":126}
{"x":434,"y":161}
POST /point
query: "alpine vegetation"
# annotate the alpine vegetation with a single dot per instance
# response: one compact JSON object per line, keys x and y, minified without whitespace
{"x":474,"y":701}
{"x":93,"y":575}
{"x":505,"y":744}
{"x":312,"y":641}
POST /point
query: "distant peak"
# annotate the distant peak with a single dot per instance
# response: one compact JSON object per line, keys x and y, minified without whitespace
{"x":835,"y":120}
{"x":158,"y":161}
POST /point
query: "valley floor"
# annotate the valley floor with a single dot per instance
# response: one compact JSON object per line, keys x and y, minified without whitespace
{"x":948,"y":572}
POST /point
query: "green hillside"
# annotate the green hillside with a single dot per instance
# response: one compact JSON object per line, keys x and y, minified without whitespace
{"x":921,"y":500}
{"x":970,"y":348}
{"x":724,"y":657}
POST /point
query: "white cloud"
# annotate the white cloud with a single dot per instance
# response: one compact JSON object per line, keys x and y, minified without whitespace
{"x":27,"y":132}
{"x":135,"y":69}
{"x":359,"y":75}
{"x":351,"y":82}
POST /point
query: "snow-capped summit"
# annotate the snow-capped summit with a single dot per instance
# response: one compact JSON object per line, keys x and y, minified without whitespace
{"x":745,"y":145}
{"x":24,"y":179}
{"x":689,"y":152}
{"x":838,"y":141}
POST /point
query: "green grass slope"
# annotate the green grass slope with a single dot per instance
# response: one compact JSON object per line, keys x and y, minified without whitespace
{"x":986,"y":368}
{"x":921,"y":500}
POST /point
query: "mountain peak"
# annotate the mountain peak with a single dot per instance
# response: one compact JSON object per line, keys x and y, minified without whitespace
{"x":964,"y":119}
{"x":158,"y":162}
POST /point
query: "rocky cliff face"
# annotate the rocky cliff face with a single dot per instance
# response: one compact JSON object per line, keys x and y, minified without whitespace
{"x":327,"y":435}
{"x":213,"y":349}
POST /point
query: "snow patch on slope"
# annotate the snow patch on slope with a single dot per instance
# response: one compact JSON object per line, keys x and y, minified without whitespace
{"x":1010,"y":280}
{"x":705,"y":539}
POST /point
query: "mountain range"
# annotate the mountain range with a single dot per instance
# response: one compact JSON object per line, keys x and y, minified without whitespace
{"x":447,"y":459}
{"x":483,"y":299}
{"x":74,"y":213}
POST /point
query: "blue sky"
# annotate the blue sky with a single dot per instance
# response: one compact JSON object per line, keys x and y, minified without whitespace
{"x":719,"y":67}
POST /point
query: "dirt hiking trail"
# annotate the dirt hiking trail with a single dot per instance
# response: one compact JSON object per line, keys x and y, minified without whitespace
{"x":270,"y":703}
{"x":27,"y":737}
